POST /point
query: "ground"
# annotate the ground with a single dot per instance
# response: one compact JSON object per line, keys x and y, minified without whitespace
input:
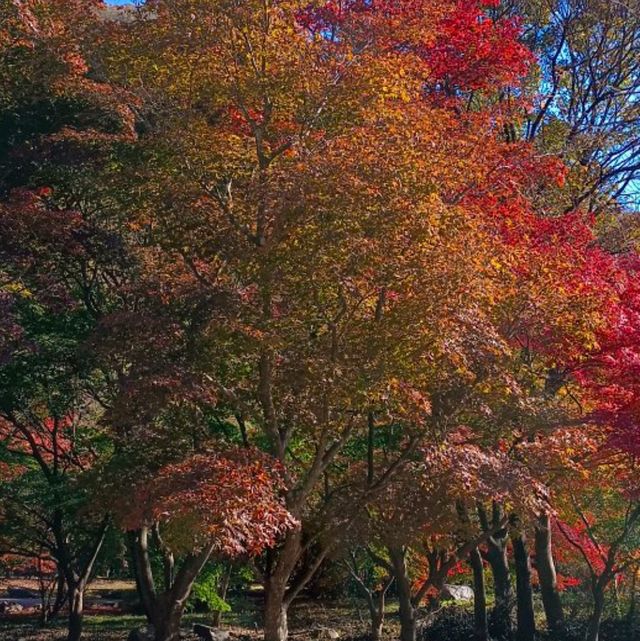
{"x":308,"y":619}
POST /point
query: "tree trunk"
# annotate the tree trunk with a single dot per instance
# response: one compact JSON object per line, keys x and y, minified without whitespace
{"x":376,"y":610}
{"x":631,"y":612}
{"x":407,"y":610}
{"x":593,"y":629}
{"x":503,"y":609}
{"x":277,"y":598}
{"x":222,"y":593}
{"x":164,"y":609}
{"x":275,"y":614}
{"x":547,"y":575}
{"x":480,"y":623}
{"x":377,"y":623}
{"x":76,"y":614}
{"x":139,"y":548}
{"x":166,"y":619}
{"x":526,"y":630}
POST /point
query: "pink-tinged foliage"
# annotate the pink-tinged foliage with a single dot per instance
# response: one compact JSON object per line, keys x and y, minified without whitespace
{"x":231,"y":499}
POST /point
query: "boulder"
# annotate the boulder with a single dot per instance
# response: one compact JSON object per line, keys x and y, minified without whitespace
{"x":207,"y":633}
{"x":327,"y":634}
{"x":8,"y":607}
{"x":457,"y":592}
{"x":142,"y":634}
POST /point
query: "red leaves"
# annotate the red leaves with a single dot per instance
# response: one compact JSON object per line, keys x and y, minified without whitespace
{"x":472,"y":51}
{"x":466,"y":50}
{"x":230,"y":498}
{"x":611,"y":376}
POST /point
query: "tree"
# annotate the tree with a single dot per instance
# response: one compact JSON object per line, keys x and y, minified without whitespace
{"x":324,"y":188}
{"x":224,"y":504}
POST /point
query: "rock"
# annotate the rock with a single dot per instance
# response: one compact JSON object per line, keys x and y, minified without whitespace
{"x":207,"y":633}
{"x":141,"y":634}
{"x":328,"y":634}
{"x":9,"y":607}
{"x":457,"y":592}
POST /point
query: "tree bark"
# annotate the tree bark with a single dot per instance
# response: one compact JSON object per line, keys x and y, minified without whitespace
{"x":407,"y":611}
{"x":76,"y":614}
{"x":277,"y":598}
{"x":139,"y":547}
{"x":480,"y":623}
{"x":547,"y":575}
{"x":165,"y":609}
{"x":166,"y":619}
{"x":526,"y":630}
{"x":377,"y":624}
{"x":276,"y":627}
{"x":498,"y":560}
{"x":593,"y":628}
{"x":223,"y":586}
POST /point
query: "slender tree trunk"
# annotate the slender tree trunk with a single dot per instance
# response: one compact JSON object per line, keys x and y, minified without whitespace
{"x":76,"y":613}
{"x":496,"y":555}
{"x":222,"y":593}
{"x":376,"y":608}
{"x":480,"y":623}
{"x":165,"y":609}
{"x":547,"y":574}
{"x":631,"y":612}
{"x":170,"y":606}
{"x":407,"y":610}
{"x":139,"y":547}
{"x":526,"y":630}
{"x":593,"y":629}
{"x":377,"y":624}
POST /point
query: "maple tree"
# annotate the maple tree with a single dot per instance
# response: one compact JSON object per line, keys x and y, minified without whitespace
{"x":222,"y":504}
{"x":330,"y":232}
{"x":337,"y":267}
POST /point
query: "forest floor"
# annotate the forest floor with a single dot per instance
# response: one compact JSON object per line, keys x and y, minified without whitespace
{"x":310,"y":620}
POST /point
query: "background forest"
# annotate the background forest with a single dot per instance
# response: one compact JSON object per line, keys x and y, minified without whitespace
{"x":325,"y":306}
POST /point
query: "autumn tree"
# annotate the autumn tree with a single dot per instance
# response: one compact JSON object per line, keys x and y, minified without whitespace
{"x":223,"y":504}
{"x":323,"y":188}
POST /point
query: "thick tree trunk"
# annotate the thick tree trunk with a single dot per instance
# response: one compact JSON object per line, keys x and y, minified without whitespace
{"x":76,"y":614}
{"x":593,"y":629}
{"x":407,"y":610}
{"x":275,"y":614}
{"x":277,"y":599}
{"x":503,"y":592}
{"x":547,"y":575}
{"x":526,"y":630}
{"x":166,"y":620}
{"x":480,"y":623}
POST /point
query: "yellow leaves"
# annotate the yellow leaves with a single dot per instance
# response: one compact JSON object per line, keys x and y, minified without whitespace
{"x":17,"y":288}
